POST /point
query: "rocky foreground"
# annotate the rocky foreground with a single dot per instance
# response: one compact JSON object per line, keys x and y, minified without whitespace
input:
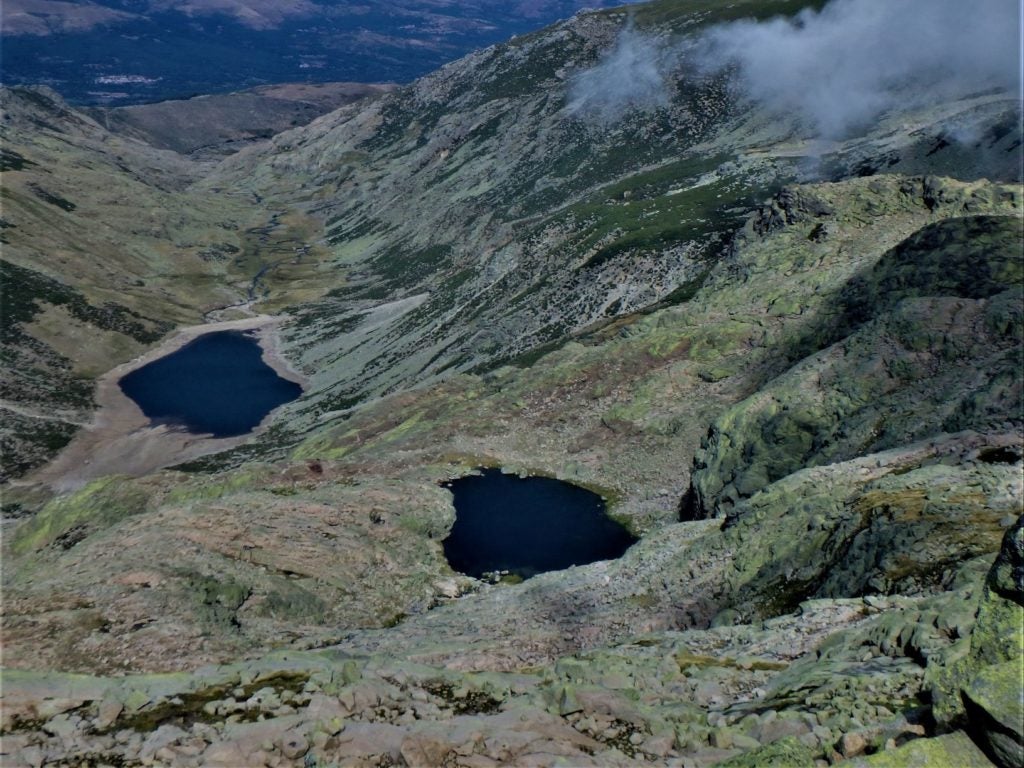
{"x":836,"y":680}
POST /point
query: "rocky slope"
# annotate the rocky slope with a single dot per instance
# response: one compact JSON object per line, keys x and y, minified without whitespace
{"x":531,"y":218}
{"x":897,"y":529}
{"x":836,"y":680}
{"x":478,"y":214}
{"x":806,"y":399}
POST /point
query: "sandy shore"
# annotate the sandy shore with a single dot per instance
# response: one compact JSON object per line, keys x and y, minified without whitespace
{"x":122,"y":441}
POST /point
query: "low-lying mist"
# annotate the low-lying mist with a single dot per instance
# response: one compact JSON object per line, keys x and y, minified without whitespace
{"x":632,"y":76}
{"x":842,"y":67}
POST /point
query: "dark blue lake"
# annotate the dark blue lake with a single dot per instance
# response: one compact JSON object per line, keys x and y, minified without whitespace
{"x":217,"y":384}
{"x":528,"y":526}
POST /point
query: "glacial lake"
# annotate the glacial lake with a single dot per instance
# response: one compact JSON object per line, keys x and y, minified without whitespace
{"x":217,"y":384}
{"x":528,"y":526}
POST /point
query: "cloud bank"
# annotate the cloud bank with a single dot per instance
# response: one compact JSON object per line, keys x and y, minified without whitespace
{"x":844,"y":66}
{"x":838,"y":69}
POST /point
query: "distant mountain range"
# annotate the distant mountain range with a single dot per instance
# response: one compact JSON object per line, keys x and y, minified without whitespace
{"x":132,"y":51}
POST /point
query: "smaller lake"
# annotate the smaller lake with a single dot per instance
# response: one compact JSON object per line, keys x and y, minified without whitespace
{"x":217,"y":384}
{"x":528,"y":526}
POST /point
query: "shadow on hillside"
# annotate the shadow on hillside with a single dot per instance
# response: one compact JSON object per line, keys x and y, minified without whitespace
{"x":974,"y":257}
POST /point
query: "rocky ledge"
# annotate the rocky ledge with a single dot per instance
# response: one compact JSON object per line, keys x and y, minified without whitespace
{"x":837,"y":680}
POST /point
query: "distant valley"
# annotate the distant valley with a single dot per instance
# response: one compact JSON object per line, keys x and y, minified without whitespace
{"x":777,"y":333}
{"x":123,"y":52}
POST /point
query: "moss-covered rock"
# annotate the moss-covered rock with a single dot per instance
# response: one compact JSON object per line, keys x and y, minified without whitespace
{"x":899,"y":521}
{"x":784,"y":753}
{"x":994,"y":701}
{"x":984,"y":691}
{"x":939,"y":307}
{"x":67,"y":520}
{"x":954,"y":749}
{"x":974,"y":257}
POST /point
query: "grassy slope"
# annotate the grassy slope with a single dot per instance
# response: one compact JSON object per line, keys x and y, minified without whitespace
{"x":106,"y":247}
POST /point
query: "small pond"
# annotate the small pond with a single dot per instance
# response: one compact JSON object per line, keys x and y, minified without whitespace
{"x":528,"y":526}
{"x":217,"y":384}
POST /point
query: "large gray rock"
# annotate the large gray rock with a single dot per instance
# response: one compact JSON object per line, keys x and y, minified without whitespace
{"x":995,"y":710}
{"x":994,"y":698}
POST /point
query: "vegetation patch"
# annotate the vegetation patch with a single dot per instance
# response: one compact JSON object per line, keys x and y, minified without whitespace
{"x":401,"y":266}
{"x":52,"y":199}
{"x":463,"y":701}
{"x":99,"y":505}
{"x":189,"y":707}
{"x":218,"y":599}
{"x":12,"y":161}
{"x":26,"y":442}
{"x":685,"y":660}
{"x":290,"y":601}
{"x":25,"y":290}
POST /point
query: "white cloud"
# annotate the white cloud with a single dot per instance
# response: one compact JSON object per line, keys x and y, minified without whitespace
{"x":841,"y":68}
{"x":633,"y":75}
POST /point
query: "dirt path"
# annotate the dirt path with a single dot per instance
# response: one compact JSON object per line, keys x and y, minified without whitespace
{"x":122,"y":441}
{"x":61,"y":416}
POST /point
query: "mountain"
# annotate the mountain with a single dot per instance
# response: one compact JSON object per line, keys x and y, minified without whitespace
{"x":496,"y":220}
{"x":221,"y":124}
{"x":787,"y":354}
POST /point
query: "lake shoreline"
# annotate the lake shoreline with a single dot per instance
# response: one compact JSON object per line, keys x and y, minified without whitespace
{"x":121,"y":440}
